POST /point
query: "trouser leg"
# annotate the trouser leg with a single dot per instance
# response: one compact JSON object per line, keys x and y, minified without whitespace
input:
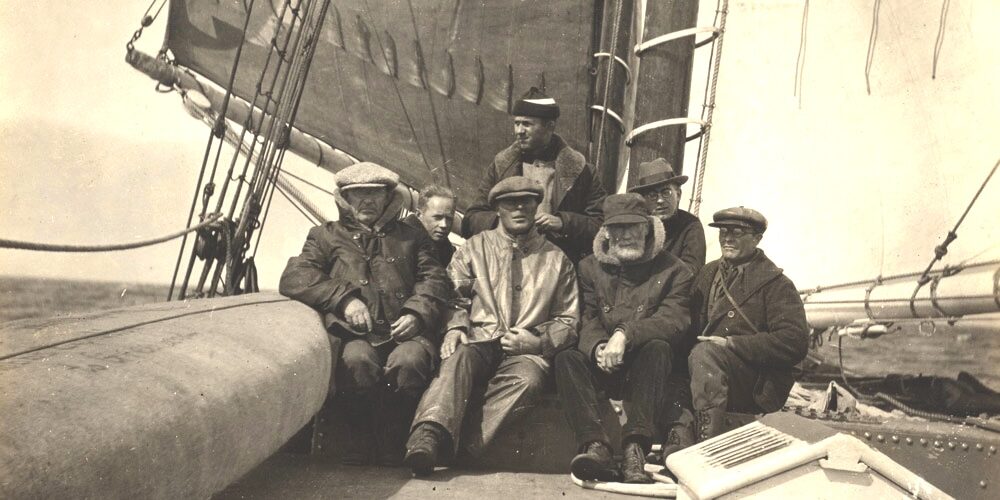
{"x":408,"y":369}
{"x":577,"y":387}
{"x":645,"y":391}
{"x":720,"y":381}
{"x":509,"y":394}
{"x":359,"y":372}
{"x":444,"y":403}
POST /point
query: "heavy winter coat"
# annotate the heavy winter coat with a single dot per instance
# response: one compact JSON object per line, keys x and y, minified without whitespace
{"x":686,"y":239}
{"x":391,"y":267}
{"x":444,"y":248}
{"x":579,"y":204}
{"x":648,"y":299}
{"x":769,"y":299}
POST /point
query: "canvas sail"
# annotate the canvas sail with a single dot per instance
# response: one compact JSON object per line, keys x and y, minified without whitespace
{"x":422,"y":87}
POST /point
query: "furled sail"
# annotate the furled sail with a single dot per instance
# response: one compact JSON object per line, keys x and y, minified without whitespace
{"x":421,"y":86}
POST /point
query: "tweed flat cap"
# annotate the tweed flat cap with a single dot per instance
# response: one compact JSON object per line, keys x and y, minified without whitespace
{"x":366,"y":174}
{"x":656,"y":172}
{"x":626,"y":208}
{"x":535,"y":103}
{"x":740,"y":217}
{"x":516,"y":186}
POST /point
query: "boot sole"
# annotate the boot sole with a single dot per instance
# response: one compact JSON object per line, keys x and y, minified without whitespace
{"x":420,"y":463}
{"x":588,"y":469}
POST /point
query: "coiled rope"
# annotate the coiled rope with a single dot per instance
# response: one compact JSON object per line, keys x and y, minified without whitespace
{"x":50,"y":247}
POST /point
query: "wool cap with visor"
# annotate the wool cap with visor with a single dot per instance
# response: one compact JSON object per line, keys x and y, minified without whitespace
{"x":536,"y":104}
{"x":516,"y":187}
{"x":366,"y":174}
{"x":743,"y":217}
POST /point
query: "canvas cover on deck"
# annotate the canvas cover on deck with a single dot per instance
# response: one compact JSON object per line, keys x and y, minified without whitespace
{"x":422,"y":87}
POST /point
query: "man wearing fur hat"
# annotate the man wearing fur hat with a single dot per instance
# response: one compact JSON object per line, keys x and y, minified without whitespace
{"x":569,"y":213}
{"x":517,"y":307}
{"x":661,"y":188}
{"x":635,"y":311}
{"x":379,"y":287}
{"x":752,"y":326}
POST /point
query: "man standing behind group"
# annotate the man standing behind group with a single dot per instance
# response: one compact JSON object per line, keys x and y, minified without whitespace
{"x":752,"y":325}
{"x":661,"y":188}
{"x":517,"y":307}
{"x":436,"y":214}
{"x":569,"y":213}
{"x":635,"y":317}
{"x":381,"y":290}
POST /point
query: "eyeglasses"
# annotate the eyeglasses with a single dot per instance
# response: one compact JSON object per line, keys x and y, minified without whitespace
{"x":735,"y":232}
{"x":655,"y":194}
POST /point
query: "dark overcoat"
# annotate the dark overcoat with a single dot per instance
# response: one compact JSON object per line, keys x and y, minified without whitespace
{"x":769,"y":299}
{"x":391,"y":267}
{"x":647,"y":299}
{"x":686,"y":239}
{"x":579,"y":204}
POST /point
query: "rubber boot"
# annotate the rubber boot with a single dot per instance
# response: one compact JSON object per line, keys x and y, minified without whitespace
{"x":394,"y":417}
{"x":359,"y":447}
{"x":595,"y":463}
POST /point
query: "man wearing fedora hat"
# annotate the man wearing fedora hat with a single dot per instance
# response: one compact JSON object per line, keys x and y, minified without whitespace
{"x":752,"y":326}
{"x":380,"y":289}
{"x":516,"y":307}
{"x":635,"y":314}
{"x":569,"y":213}
{"x":661,"y":188}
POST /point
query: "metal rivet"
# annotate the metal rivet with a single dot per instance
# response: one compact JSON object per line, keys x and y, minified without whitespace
{"x":909,"y":441}
{"x":923,"y":441}
{"x":868,"y":435}
{"x":982,"y":484}
{"x":965,"y":446}
{"x":895,"y":439}
{"x":979,"y":446}
{"x":937,"y":444}
{"x":880,"y":438}
{"x":993,"y":449}
{"x":951,"y":446}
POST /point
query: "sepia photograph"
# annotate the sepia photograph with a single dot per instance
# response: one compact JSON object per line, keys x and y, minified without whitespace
{"x":681,"y":249}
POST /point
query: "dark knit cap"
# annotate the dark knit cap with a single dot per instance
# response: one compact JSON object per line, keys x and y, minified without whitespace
{"x":626,"y":208}
{"x":536,"y":104}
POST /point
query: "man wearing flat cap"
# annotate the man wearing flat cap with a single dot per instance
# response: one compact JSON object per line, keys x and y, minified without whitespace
{"x":635,"y":311}
{"x":382,"y":292}
{"x":752,"y":327}
{"x":661,"y":188}
{"x":516,"y":308}
{"x":569,"y":213}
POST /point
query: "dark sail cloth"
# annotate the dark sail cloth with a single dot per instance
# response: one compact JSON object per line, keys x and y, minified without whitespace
{"x":578,"y":201}
{"x":648,"y":300}
{"x":686,"y":239}
{"x":443,"y":249}
{"x":392,"y":268}
{"x":756,"y":374}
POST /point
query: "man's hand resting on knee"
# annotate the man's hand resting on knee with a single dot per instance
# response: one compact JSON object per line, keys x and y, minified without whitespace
{"x":451,"y":341}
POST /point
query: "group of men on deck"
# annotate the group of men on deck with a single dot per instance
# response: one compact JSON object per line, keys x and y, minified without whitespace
{"x":607,"y":295}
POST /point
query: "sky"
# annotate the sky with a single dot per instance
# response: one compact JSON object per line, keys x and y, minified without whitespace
{"x":853,"y":185}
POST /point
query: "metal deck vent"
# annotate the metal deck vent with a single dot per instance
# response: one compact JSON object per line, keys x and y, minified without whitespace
{"x":742,"y":445}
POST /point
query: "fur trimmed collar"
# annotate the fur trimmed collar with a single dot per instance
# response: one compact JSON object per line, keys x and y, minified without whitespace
{"x":349,"y":216}
{"x":569,"y":164}
{"x":654,"y":245}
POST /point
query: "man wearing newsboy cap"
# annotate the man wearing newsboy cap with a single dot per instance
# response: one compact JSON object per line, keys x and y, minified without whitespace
{"x":635,"y":317}
{"x":751,"y":327}
{"x":569,"y":213}
{"x":516,"y":308}
{"x":381,"y":291}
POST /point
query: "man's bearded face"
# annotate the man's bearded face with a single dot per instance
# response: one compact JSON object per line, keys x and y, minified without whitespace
{"x":627,"y":242}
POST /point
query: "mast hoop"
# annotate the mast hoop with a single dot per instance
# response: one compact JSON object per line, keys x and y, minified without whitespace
{"x":702,"y":124}
{"x":868,"y":297}
{"x":620,"y":61}
{"x":615,"y":116}
{"x":662,"y":39}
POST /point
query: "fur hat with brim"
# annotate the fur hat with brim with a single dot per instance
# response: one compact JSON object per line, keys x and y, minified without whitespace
{"x":366,"y":174}
{"x":535,"y":103}
{"x":655,"y":173}
{"x":746,"y":218}
{"x":516,"y":187}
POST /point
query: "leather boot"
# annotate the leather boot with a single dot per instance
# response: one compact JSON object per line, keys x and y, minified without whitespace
{"x":394,"y":417}
{"x":359,"y":447}
{"x":595,"y":463}
{"x":634,"y":464}
{"x":710,"y":422}
{"x":422,"y":449}
{"x":680,"y":436}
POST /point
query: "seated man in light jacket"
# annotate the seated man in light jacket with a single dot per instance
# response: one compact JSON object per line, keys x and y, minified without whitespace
{"x":517,"y":307}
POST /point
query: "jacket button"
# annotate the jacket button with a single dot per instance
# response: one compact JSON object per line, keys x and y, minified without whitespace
{"x":381,"y":291}
{"x":363,"y":282}
{"x":517,"y":288}
{"x":380,"y":235}
{"x":399,"y":295}
{"x":606,"y":309}
{"x":391,"y":259}
{"x":380,"y":322}
{"x":731,"y":314}
{"x":640,"y":308}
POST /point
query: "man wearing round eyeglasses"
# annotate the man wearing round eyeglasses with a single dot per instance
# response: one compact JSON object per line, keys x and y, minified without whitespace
{"x":661,"y":188}
{"x":752,"y":327}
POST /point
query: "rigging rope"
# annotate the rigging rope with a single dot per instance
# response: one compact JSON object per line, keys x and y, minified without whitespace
{"x":51,"y":247}
{"x":616,"y":27}
{"x":951,"y":269}
{"x":695,"y":204}
{"x":939,"y":42}
{"x":871,"y":45}
{"x":800,"y":60}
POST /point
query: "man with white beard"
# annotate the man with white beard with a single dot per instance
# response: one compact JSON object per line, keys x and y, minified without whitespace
{"x":635,"y":311}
